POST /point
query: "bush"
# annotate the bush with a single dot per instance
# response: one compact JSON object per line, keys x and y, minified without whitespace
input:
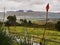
{"x":58,"y":25}
{"x":4,"y":39}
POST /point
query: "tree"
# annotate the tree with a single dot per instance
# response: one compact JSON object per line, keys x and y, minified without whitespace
{"x":58,"y":25}
{"x":30,"y":22}
{"x":12,"y":19}
{"x":23,"y":21}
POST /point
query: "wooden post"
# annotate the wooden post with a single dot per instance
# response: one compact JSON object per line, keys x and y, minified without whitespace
{"x":3,"y":20}
{"x":45,"y":28}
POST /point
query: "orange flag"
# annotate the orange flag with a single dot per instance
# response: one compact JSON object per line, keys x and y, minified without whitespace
{"x":47,"y":7}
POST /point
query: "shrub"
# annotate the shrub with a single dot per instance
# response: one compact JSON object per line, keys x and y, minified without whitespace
{"x":58,"y":25}
{"x":4,"y":39}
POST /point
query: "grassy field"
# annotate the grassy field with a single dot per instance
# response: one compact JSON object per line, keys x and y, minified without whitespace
{"x":50,"y":34}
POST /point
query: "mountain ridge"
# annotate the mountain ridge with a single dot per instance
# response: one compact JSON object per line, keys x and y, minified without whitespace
{"x":30,"y":15}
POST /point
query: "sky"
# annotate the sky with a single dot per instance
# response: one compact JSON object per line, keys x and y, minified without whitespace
{"x":35,"y":5}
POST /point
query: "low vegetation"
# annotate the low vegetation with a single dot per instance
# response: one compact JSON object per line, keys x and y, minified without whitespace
{"x":4,"y":39}
{"x":31,"y":29}
{"x":50,"y":34}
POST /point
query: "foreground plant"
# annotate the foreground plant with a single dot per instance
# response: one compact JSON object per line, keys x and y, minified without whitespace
{"x":4,"y":39}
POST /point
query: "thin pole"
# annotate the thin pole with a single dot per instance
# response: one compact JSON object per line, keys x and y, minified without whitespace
{"x":3,"y":20}
{"x":45,"y":28}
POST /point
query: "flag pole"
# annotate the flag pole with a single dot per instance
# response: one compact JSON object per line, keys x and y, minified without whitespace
{"x":47,"y":8}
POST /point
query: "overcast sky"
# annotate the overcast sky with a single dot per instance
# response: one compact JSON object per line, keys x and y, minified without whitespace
{"x":36,"y":5}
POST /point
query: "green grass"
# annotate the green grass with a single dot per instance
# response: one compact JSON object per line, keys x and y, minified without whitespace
{"x":50,"y":34}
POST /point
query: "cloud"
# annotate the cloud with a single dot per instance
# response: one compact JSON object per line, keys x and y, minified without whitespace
{"x":37,"y":5}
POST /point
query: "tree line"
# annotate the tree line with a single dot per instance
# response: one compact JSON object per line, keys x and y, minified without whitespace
{"x":11,"y":21}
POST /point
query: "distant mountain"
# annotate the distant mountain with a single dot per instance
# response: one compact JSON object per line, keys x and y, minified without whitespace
{"x":30,"y":11}
{"x":20,"y":10}
{"x":30,"y":15}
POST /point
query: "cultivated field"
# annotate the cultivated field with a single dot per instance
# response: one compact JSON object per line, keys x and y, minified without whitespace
{"x":52,"y":37}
